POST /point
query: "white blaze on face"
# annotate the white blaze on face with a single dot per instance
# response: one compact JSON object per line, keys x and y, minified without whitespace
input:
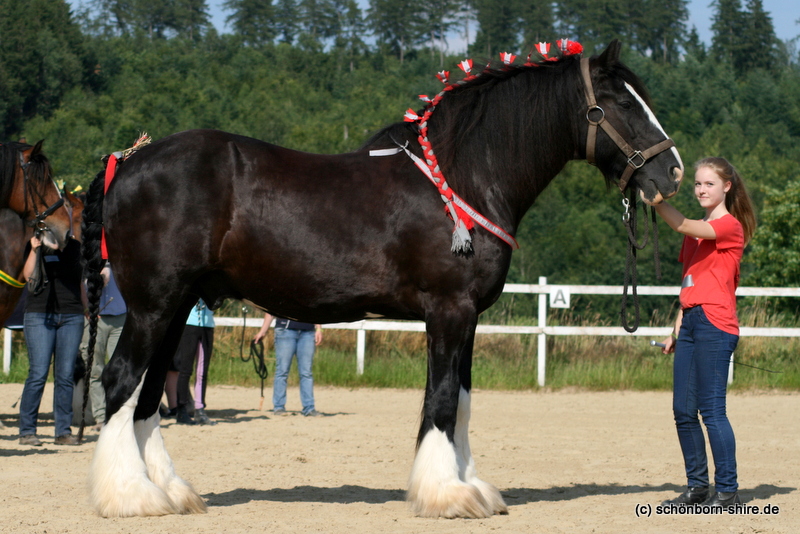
{"x":653,"y":119}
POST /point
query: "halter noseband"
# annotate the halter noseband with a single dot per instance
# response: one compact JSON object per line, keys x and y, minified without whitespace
{"x":636,"y":158}
{"x":38,"y":223}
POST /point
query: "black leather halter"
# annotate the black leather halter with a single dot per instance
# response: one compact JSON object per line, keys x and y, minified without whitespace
{"x":636,"y":158}
{"x":37,"y":223}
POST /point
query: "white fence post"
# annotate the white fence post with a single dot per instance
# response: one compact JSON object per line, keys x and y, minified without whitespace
{"x":6,"y":350}
{"x":541,"y":353}
{"x":361,"y":347}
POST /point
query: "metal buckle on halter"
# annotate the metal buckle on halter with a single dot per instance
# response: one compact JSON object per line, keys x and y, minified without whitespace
{"x":637,"y":154}
{"x":602,"y":115}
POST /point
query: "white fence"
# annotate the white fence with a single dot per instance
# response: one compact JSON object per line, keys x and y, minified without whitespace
{"x":556,"y":294}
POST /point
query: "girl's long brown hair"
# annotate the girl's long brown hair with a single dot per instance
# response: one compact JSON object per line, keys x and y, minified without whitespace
{"x":737,"y":201}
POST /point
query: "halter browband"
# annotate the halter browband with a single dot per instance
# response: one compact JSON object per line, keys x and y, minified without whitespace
{"x":636,"y":158}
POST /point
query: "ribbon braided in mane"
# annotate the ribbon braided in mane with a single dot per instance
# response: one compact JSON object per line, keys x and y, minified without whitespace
{"x":465,"y":216}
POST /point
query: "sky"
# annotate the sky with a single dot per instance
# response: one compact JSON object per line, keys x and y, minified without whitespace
{"x":785,"y":14}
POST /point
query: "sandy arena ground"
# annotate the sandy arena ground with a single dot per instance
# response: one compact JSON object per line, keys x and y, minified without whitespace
{"x":565,"y":462}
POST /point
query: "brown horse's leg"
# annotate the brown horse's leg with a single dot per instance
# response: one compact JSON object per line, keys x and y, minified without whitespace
{"x":443,"y":481}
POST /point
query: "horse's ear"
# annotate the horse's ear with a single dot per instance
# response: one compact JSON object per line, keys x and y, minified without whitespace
{"x":37,"y":148}
{"x":610,"y":55}
{"x":74,"y":200}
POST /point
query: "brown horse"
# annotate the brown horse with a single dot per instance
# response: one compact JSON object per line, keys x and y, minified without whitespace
{"x":14,"y":236}
{"x":322,"y":239}
{"x":27,"y":188}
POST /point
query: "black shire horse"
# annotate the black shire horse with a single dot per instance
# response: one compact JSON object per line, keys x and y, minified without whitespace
{"x":327,"y":238}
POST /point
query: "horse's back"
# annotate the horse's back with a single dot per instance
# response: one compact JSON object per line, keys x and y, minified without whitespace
{"x":325,"y":232}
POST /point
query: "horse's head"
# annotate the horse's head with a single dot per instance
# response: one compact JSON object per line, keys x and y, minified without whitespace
{"x":28,"y":189}
{"x":624,"y":139}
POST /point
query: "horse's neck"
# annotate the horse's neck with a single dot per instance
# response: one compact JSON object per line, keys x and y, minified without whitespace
{"x":515,"y":174}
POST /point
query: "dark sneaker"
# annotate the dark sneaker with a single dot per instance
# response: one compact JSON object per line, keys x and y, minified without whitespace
{"x":167,"y":413}
{"x":201,"y":417}
{"x":692,"y":495}
{"x":31,"y":440}
{"x":279,"y":411}
{"x":312,"y":413}
{"x":183,"y":417}
{"x":67,"y":439}
{"x":723,"y":499}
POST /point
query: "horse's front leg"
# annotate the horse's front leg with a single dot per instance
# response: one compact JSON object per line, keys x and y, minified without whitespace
{"x":443,"y":481}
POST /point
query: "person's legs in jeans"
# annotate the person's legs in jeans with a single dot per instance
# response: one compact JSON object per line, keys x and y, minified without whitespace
{"x":40,"y":339}
{"x":712,"y":381}
{"x":68,"y":339}
{"x":285,"y":347}
{"x":685,"y":404}
{"x":305,"y":359}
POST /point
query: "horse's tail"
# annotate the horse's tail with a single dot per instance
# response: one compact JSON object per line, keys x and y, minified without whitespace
{"x":93,"y":263}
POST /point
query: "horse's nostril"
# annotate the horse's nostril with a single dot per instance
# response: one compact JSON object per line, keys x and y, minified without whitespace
{"x":677,"y":174}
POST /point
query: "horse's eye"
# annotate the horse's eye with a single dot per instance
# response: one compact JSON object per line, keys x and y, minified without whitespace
{"x":625,"y":104}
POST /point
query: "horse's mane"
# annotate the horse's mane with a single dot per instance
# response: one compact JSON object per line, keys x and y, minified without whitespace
{"x":498,"y":111}
{"x":39,"y":169}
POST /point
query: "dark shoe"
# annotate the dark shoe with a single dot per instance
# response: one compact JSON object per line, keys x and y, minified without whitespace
{"x":67,"y":439}
{"x":692,"y":495}
{"x":31,"y":440}
{"x":201,"y":418}
{"x":279,"y":411}
{"x":167,"y":413}
{"x":723,"y":499}
{"x":183,"y":417}
{"x":312,"y":413}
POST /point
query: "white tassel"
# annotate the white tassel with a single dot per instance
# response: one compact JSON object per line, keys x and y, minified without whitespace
{"x":462,"y":241}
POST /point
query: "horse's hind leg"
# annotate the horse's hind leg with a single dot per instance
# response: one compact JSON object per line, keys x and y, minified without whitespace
{"x":147,"y":424}
{"x":443,"y":481}
{"x":118,"y":481}
{"x":128,"y":455}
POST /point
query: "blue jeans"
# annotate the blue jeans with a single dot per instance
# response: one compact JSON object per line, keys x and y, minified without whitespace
{"x":46,"y":333}
{"x":702,"y":357}
{"x":288,"y":343}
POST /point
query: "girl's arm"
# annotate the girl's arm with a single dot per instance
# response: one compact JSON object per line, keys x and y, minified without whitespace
{"x":669,"y":342}
{"x":30,"y":263}
{"x":679,"y":223}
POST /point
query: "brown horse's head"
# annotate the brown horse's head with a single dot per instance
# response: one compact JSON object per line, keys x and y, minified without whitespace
{"x":28,"y":189}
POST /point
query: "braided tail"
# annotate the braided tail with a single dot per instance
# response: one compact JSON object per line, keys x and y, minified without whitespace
{"x":93,"y":263}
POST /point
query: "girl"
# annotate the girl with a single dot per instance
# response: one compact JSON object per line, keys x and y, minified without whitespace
{"x":707,"y":329}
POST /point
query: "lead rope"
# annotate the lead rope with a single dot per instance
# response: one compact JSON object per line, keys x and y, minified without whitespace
{"x":630,"y":277}
{"x":256,"y":354}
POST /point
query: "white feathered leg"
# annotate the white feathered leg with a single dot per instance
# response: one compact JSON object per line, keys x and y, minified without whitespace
{"x":160,"y":468}
{"x":466,"y":465}
{"x":118,"y":482}
{"x":443,"y":482}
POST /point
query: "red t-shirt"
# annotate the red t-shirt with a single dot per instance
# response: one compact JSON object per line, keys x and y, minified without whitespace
{"x":714,"y":266}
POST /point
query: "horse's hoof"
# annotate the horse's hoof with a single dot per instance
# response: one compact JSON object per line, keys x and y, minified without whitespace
{"x":492,"y":496}
{"x":144,"y":500}
{"x":185,"y":498}
{"x":457,"y":499}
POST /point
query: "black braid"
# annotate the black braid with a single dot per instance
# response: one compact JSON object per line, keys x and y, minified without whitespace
{"x":93,"y":263}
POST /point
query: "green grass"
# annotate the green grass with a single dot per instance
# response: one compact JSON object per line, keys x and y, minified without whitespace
{"x":503,"y":362}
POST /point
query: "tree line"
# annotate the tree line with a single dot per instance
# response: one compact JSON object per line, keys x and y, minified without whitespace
{"x":321,"y":76}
